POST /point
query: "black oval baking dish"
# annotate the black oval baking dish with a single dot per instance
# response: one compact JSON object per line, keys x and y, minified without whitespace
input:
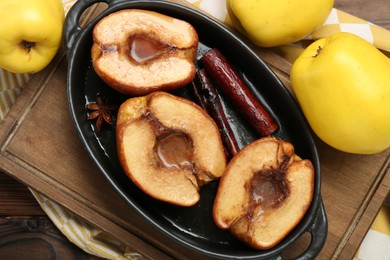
{"x":193,"y":227}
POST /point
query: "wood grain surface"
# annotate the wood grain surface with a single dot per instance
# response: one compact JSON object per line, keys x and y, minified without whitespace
{"x":35,"y":237}
{"x":25,"y":228}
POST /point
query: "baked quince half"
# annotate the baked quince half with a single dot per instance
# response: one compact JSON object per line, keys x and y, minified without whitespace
{"x":264,"y":193}
{"x":169,"y":147}
{"x":139,"y":51}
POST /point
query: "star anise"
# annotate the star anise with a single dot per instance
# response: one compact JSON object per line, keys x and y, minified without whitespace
{"x":101,"y":111}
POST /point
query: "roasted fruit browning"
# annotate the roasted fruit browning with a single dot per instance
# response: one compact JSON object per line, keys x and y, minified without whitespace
{"x":264,"y":193}
{"x":169,"y":147}
{"x":138,"y":51}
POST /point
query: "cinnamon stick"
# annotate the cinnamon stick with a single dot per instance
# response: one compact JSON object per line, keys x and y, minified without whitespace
{"x":209,"y":99}
{"x":235,"y":89}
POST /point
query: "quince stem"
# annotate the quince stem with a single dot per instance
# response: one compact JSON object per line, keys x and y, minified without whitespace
{"x":319,"y":49}
{"x":27,"y":45}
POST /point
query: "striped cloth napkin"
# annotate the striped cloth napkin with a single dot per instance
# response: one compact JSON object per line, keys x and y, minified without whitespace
{"x":96,"y":242}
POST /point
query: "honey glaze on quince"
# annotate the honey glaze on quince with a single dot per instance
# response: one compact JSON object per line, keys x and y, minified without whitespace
{"x":143,"y":48}
{"x":173,"y":149}
{"x":267,"y":188}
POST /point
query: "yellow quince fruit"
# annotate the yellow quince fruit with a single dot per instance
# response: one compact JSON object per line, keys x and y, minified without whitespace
{"x":30,"y":34}
{"x":270,"y":23}
{"x":342,"y":84}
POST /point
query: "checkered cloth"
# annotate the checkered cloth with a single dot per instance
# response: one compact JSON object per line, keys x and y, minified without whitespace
{"x":101,"y":244}
{"x":339,"y":21}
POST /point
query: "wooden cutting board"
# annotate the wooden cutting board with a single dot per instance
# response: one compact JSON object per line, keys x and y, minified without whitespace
{"x":40,"y":147}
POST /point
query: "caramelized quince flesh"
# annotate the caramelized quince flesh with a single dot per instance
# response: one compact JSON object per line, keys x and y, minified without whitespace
{"x":169,"y":147}
{"x":264,"y":193}
{"x":137,"y":51}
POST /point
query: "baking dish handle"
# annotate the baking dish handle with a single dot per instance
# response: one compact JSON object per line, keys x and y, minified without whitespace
{"x":72,"y":28}
{"x":318,"y":231}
